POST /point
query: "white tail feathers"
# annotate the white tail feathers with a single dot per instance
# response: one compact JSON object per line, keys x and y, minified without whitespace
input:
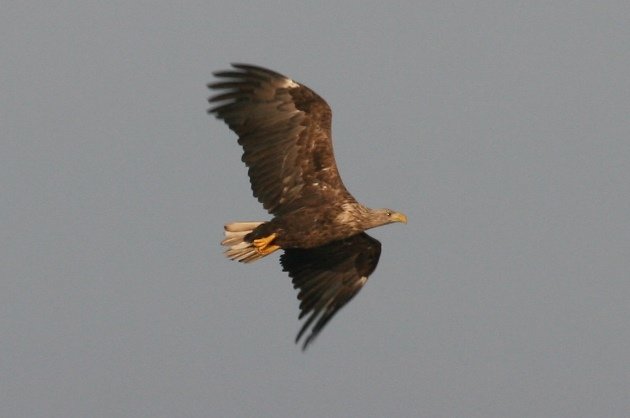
{"x":238,"y":249}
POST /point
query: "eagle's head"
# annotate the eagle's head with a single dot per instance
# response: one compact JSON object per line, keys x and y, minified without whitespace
{"x":377,"y":217}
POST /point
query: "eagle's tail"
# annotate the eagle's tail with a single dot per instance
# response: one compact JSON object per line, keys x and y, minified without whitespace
{"x":237,"y":248}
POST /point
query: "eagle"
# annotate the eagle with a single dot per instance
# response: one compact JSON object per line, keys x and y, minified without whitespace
{"x":284,"y":129}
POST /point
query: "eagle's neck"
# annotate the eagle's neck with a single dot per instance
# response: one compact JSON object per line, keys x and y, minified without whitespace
{"x":358,"y":217}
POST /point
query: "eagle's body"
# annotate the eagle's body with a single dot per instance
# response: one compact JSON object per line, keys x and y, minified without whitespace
{"x":285,"y":131}
{"x":309,"y":227}
{"x":305,"y":227}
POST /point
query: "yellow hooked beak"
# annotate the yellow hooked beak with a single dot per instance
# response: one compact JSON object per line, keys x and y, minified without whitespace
{"x":399,"y":217}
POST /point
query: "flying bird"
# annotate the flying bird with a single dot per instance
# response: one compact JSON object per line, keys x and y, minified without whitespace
{"x":285,"y":131}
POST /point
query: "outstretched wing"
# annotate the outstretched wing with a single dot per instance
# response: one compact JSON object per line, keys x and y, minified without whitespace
{"x":329,"y":276}
{"x":284,"y":128}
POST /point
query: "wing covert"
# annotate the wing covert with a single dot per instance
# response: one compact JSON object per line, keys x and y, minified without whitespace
{"x":285,"y":131}
{"x":328,"y":277}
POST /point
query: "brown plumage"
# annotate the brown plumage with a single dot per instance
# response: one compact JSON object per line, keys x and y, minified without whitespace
{"x":285,"y":131}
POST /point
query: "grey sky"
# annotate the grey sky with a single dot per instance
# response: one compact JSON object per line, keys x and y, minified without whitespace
{"x":501,"y":129}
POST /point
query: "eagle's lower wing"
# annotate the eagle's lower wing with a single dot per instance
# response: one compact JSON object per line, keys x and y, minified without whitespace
{"x":329,"y":276}
{"x":284,"y":128}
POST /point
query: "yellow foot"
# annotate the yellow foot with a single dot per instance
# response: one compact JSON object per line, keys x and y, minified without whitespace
{"x":262,"y":245}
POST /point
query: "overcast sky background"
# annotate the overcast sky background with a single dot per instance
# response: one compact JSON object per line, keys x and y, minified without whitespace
{"x":502,"y":129}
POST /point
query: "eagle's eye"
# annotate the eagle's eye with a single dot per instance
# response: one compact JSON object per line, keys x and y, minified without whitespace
{"x":388,"y":213}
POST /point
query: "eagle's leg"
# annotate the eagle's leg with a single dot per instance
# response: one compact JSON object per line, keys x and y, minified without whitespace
{"x":262,"y":245}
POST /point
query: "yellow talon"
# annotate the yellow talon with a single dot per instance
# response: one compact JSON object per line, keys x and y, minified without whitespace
{"x":262,"y":245}
{"x":263,"y":242}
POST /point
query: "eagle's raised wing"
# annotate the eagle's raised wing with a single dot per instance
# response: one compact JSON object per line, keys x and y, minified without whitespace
{"x":284,"y":128}
{"x":329,"y":276}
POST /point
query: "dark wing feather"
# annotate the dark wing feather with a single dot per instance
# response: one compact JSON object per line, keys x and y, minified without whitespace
{"x":284,"y":128}
{"x":328,"y":277}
